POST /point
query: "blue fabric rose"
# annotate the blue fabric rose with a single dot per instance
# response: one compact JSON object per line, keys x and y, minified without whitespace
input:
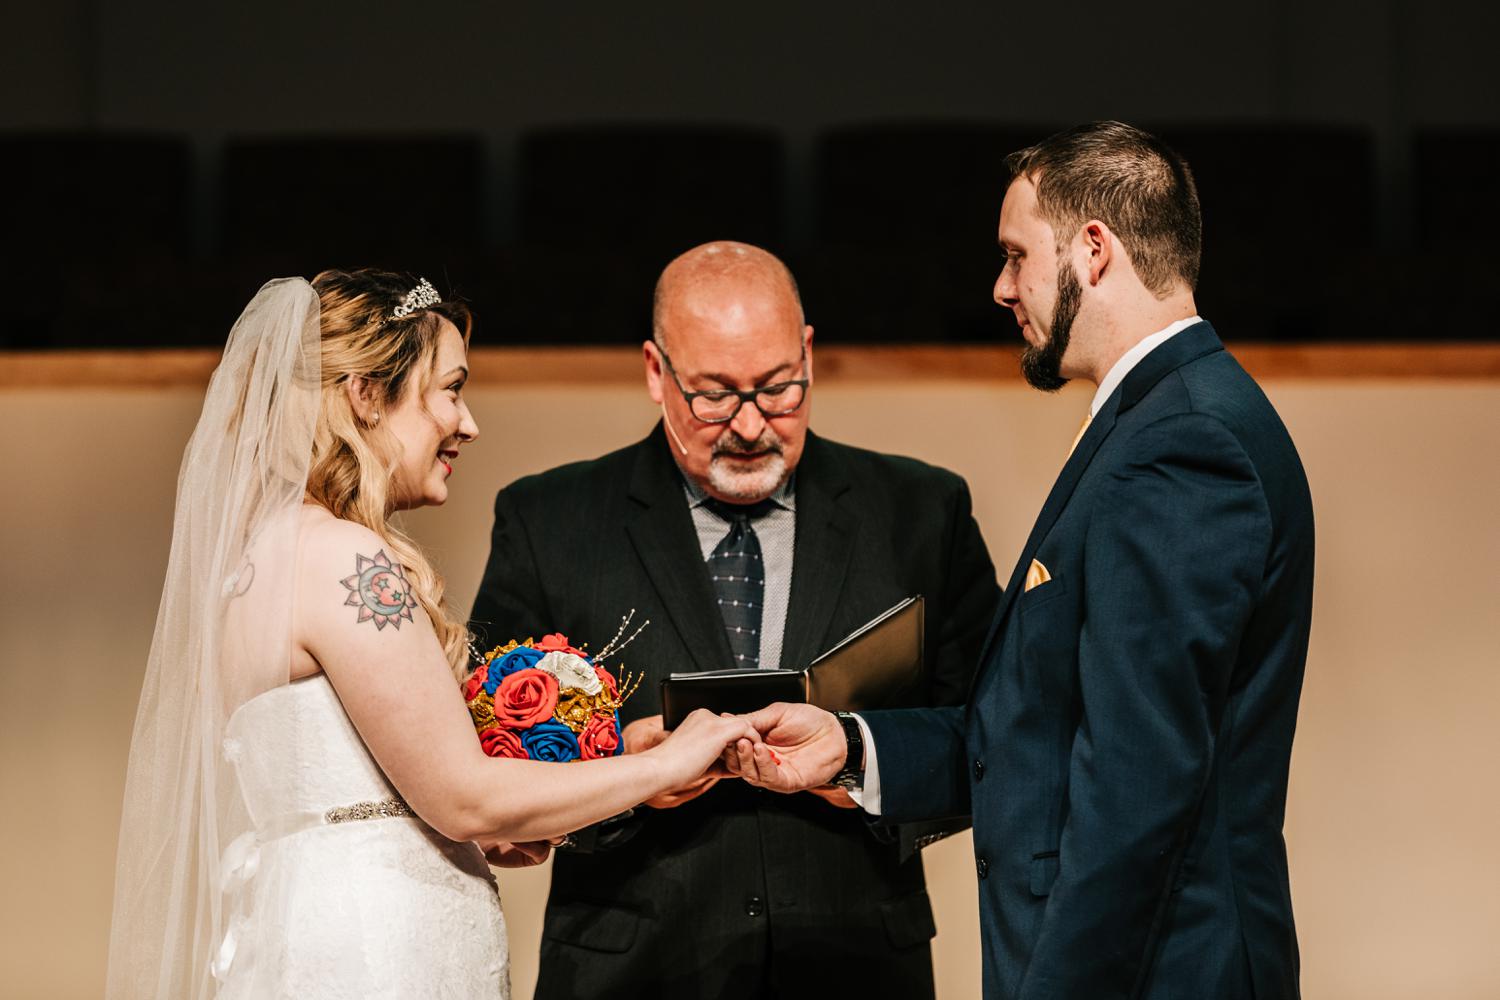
{"x":520,"y":658}
{"x":551,"y":741}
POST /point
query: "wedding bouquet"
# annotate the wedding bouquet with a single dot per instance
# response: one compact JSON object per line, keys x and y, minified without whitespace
{"x":546,"y":700}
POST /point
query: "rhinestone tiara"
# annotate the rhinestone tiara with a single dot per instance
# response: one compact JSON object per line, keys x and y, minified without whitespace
{"x":421,"y":297}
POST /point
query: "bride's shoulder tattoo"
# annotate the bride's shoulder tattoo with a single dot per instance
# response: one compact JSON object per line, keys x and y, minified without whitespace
{"x":380,"y":590}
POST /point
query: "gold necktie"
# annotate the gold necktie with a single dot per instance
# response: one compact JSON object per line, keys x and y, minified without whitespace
{"x":1079,"y":436}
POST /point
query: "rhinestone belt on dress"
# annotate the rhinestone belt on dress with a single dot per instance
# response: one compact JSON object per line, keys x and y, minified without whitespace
{"x":384,"y":809}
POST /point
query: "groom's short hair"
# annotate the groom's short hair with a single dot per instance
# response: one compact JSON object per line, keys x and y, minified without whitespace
{"x":1131,"y":181}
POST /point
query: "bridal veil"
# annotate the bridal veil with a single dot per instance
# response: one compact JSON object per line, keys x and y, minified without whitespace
{"x":223,"y":635}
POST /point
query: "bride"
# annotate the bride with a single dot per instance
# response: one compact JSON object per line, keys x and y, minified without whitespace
{"x":307,"y":808}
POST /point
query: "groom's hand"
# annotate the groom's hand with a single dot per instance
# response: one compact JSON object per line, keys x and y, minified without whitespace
{"x":802,"y":747}
{"x":835,"y":797}
{"x":643,"y":734}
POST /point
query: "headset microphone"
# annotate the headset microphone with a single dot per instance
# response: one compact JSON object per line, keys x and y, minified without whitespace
{"x":680,"y":446}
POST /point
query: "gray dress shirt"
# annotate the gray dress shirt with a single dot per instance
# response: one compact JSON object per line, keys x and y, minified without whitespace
{"x":777,"y":533}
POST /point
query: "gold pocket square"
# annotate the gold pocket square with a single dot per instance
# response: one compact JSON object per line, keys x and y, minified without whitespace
{"x":1036,"y":575}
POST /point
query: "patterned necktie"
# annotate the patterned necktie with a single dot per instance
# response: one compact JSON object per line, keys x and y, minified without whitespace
{"x":739,"y":578}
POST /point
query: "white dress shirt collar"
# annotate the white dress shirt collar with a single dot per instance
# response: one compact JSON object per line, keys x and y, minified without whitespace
{"x":1133,"y":357}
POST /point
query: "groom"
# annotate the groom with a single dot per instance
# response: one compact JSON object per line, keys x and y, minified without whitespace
{"x":1125,"y":746}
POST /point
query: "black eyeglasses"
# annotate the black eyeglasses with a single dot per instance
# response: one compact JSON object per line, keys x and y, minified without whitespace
{"x":719,"y":406}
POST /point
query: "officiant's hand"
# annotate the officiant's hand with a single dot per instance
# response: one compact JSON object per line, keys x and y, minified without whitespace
{"x":802,"y":748}
{"x":523,"y":855}
{"x":643,"y":734}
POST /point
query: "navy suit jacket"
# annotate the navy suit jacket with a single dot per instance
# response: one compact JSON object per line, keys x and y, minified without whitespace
{"x":1125,"y":746}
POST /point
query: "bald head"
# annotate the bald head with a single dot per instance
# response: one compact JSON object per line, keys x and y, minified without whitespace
{"x":724,"y":282}
{"x":728,"y":322}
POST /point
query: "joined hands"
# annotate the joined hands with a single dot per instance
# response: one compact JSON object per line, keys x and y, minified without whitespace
{"x":800,"y":748}
{"x":643,"y":734}
{"x":783,"y":747}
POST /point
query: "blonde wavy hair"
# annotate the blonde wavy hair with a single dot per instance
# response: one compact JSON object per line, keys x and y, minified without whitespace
{"x":353,"y":462}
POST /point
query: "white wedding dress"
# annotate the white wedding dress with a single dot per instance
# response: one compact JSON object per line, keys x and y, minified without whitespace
{"x":340,"y":891}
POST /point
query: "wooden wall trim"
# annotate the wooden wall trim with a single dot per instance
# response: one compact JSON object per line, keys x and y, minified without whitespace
{"x":149,"y":369}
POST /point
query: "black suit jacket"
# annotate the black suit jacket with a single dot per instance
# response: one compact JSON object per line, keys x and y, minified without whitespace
{"x":1126,"y":744}
{"x":739,"y":891}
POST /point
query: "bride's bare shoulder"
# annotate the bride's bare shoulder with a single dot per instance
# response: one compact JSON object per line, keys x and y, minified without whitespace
{"x":354,"y":601}
{"x":345,"y":564}
{"x":284,"y":546}
{"x":327,"y":537}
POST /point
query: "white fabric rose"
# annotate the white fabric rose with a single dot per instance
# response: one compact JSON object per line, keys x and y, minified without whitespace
{"x":571,"y":672}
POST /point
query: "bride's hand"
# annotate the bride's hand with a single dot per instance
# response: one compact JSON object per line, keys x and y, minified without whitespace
{"x":643,"y":734}
{"x":688,"y":753}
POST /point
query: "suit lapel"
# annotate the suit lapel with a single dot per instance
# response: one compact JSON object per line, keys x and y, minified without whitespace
{"x":1191,"y":344}
{"x":661,"y":530}
{"x":1057,"y":500}
{"x":820,"y":561}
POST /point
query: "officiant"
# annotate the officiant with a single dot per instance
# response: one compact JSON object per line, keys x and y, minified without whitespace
{"x":747,"y":541}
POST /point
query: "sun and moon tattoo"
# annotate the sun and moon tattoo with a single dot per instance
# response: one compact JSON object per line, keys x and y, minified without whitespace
{"x":380,"y":591}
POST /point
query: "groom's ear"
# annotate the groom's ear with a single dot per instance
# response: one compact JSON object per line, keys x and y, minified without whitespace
{"x":363,"y":398}
{"x":1099,"y":247}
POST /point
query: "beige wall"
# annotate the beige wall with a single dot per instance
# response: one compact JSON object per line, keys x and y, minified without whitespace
{"x":1393,"y":818}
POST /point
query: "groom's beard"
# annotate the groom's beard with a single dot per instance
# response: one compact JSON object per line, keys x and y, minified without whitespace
{"x":1042,"y":366}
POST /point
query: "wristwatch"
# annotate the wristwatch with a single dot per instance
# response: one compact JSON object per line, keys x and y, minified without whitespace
{"x":853,"y":774}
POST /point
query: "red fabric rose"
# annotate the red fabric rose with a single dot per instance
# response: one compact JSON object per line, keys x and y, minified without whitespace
{"x":525,"y":698}
{"x":502,"y":743}
{"x":557,"y":643}
{"x":600,"y":738}
{"x":608,"y":682}
{"x":472,"y":685}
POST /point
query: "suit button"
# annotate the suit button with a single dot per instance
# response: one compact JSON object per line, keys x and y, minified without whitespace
{"x":983,"y":868}
{"x":978,"y":769}
{"x":755,"y":906}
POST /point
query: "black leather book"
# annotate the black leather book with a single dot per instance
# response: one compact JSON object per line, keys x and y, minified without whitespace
{"x":867,"y":669}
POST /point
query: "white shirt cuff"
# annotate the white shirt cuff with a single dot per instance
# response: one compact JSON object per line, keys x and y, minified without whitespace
{"x":867,"y":795}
